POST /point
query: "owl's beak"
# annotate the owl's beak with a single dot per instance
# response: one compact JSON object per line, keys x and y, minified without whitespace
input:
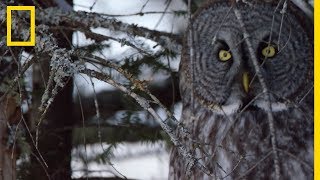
{"x":245,"y":81}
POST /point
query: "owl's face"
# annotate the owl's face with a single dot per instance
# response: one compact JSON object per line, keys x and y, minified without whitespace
{"x":222,"y":68}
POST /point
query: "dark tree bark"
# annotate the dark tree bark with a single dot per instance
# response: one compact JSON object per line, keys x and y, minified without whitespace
{"x":9,"y":114}
{"x":55,"y":146}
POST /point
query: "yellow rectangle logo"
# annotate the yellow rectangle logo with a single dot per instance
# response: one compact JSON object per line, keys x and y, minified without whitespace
{"x":32,"y":41}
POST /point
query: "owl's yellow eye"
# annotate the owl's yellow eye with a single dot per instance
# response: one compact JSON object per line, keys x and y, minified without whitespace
{"x":224,"y":55}
{"x":269,"y":51}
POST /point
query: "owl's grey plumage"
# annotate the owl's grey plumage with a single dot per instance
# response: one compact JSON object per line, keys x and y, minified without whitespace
{"x":227,"y":119}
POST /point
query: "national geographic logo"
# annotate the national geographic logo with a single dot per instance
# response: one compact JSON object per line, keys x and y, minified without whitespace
{"x":31,"y":41}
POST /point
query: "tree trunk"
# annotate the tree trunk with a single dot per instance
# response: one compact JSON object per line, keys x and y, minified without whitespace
{"x":54,"y":145}
{"x":9,"y":115}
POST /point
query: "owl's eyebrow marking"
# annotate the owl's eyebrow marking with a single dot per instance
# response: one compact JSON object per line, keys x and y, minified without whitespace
{"x":222,"y":43}
{"x":267,"y":38}
{"x":238,"y":43}
{"x":244,"y":38}
{"x":214,"y":39}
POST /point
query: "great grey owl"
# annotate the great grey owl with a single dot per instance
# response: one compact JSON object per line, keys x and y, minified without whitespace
{"x":246,"y":81}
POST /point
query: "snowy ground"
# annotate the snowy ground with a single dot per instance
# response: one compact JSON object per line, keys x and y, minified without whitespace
{"x":133,"y":160}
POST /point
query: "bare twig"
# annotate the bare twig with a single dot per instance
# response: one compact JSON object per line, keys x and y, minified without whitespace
{"x":254,"y":60}
{"x":95,"y":20}
{"x":255,"y":165}
{"x":144,"y":13}
{"x":100,"y":37}
{"x":83,"y":131}
{"x":163,"y":123}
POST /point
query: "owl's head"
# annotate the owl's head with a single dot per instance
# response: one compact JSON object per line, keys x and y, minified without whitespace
{"x":216,"y":61}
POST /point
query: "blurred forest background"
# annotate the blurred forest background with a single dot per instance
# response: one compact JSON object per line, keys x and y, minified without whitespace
{"x":57,"y":121}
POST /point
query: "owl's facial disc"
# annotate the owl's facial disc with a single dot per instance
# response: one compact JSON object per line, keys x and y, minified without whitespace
{"x":265,"y":51}
{"x":218,"y":67}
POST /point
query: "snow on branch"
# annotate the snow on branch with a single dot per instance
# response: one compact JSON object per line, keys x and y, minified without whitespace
{"x":80,"y":19}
